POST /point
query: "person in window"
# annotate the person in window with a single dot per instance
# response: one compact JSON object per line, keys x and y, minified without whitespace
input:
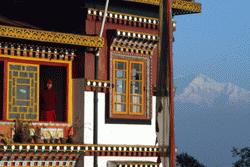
{"x":48,"y":103}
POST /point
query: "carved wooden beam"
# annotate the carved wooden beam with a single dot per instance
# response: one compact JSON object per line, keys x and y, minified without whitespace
{"x":184,"y":5}
{"x":48,"y":36}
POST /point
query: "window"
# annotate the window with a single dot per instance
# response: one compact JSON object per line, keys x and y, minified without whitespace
{"x":23,"y":91}
{"x":25,"y":82}
{"x":128,"y":92}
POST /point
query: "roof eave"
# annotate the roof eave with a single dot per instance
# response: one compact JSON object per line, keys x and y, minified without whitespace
{"x":184,"y":7}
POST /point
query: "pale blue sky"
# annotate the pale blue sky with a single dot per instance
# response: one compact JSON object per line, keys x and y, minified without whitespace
{"x":215,"y":42}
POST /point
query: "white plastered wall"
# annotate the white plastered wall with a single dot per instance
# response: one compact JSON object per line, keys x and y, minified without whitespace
{"x":132,"y":134}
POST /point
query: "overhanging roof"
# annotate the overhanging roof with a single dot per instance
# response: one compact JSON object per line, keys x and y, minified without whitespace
{"x":49,"y":36}
{"x":178,"y":6}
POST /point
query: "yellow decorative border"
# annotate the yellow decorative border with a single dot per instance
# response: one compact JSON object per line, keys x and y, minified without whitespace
{"x":70,"y":97}
{"x":177,"y":4}
{"x":48,"y":36}
{"x":186,"y":6}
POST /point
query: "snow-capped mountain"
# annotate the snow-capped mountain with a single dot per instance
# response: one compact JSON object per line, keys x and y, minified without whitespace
{"x":203,"y":90}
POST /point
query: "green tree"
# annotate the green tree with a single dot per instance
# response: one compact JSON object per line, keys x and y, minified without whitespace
{"x":185,"y":160}
{"x":243,"y":156}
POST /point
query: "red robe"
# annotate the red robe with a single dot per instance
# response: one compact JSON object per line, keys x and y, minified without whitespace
{"x":48,"y":105}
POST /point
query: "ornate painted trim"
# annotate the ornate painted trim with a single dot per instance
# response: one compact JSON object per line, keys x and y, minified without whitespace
{"x":186,"y":6}
{"x":133,"y":164}
{"x":46,"y":163}
{"x":183,"y":5}
{"x":45,"y":124}
{"x":87,"y":149}
{"x":137,"y":35}
{"x":48,"y":36}
{"x":131,"y":50}
{"x":97,"y":83}
{"x":41,"y":52}
{"x":126,"y":19}
{"x":134,"y":42}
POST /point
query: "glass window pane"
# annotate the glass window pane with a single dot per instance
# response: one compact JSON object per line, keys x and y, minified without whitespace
{"x":120,"y":65}
{"x":15,"y":67}
{"x":120,"y":98}
{"x":22,"y":103}
{"x":23,"y":81}
{"x":14,"y":116}
{"x":22,"y":109}
{"x":120,"y":107}
{"x":136,"y":76}
{"x":135,"y":108}
{"x":121,"y":86}
{"x":23,"y":92}
{"x":121,"y":74}
{"x":135,"y":99}
{"x":137,"y":67}
{"x":136,"y":71}
{"x":136,"y":88}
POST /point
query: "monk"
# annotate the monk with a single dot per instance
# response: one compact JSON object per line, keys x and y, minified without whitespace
{"x":48,"y":103}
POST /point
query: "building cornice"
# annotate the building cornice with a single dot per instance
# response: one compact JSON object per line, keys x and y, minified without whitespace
{"x":49,"y":36}
{"x":124,"y":18}
{"x":183,"y":5}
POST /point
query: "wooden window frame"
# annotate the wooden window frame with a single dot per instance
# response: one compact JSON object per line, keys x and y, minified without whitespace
{"x":128,"y":114}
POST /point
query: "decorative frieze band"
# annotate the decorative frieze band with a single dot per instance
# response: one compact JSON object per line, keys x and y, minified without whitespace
{"x":127,"y":19}
{"x":137,"y":35}
{"x":48,"y":36}
{"x":20,"y":163}
{"x":87,"y":149}
{"x":44,"y":124}
{"x":36,"y":52}
{"x":131,"y":50}
{"x":134,"y":42}
{"x":97,"y":83}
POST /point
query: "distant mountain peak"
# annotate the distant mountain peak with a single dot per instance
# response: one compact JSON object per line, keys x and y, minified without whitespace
{"x":203,"y":90}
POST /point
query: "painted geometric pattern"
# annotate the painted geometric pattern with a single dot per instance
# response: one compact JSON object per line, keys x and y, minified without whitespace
{"x":23,"y":91}
{"x":38,"y":163}
{"x":28,"y":150}
{"x":49,"y":36}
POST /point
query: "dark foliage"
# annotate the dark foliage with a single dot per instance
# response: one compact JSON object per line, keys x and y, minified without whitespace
{"x":185,"y":160}
{"x":244,"y":157}
{"x":22,"y":132}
